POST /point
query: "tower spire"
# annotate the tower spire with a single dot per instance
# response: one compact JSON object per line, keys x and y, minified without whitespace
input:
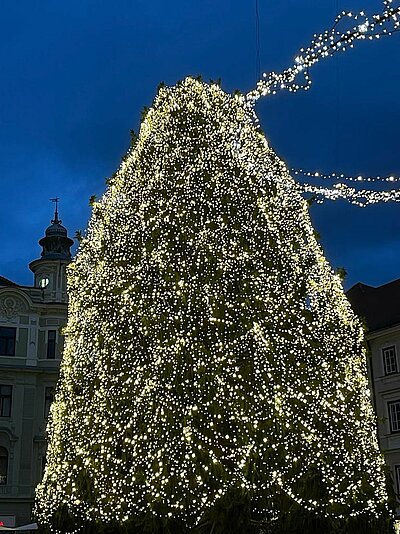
{"x":56,"y":220}
{"x":49,"y":269}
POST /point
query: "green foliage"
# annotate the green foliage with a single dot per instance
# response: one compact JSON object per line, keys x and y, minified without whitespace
{"x":214,"y":376}
{"x":92,"y":200}
{"x":216,"y":82}
{"x":134,"y":137}
{"x":144,"y":113}
{"x":78,"y":235}
{"x":311,"y":200}
{"x":111,"y":178}
{"x":233,"y":517}
{"x":341,"y":272}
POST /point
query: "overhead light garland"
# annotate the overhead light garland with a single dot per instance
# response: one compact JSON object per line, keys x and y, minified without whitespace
{"x":358,"y":197}
{"x":361,"y":198}
{"x":347,"y":178}
{"x":339,"y":38}
{"x":348,"y":29}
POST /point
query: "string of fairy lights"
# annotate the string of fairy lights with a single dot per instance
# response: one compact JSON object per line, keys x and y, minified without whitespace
{"x":210,"y":350}
{"x":358,"y":197}
{"x":344,"y":177}
{"x":326,"y":44}
{"x":342,"y":191}
{"x":207,"y":334}
{"x":348,"y":29}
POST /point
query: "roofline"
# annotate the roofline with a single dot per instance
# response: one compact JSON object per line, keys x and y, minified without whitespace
{"x":373,"y":287}
{"x":8,"y":281}
{"x":359,"y":284}
{"x":384,"y":331}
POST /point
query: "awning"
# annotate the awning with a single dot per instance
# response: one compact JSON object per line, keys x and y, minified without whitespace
{"x":31,"y":526}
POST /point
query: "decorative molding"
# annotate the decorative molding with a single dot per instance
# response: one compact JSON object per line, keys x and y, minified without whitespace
{"x":12,"y":437}
{"x":11,"y":307}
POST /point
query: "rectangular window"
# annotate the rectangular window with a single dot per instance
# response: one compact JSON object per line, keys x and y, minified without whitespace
{"x":3,"y":466}
{"x":7,"y":341}
{"x":397,"y":479}
{"x":389,"y":360}
{"x":51,"y":344}
{"x":48,"y":399}
{"x":43,"y":464}
{"x":394,"y":416}
{"x":5,"y":401}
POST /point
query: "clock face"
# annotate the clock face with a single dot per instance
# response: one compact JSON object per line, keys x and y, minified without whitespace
{"x":44,"y":282}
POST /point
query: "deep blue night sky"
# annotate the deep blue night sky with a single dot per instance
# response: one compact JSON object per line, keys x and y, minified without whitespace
{"x":76,"y":75}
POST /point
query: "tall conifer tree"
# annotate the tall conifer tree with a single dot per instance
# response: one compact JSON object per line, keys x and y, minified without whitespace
{"x":214,"y":375}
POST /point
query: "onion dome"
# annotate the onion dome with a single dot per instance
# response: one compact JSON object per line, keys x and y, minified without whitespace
{"x":56,"y":244}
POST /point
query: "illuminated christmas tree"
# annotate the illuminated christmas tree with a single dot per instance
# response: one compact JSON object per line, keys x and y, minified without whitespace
{"x":214,"y":376}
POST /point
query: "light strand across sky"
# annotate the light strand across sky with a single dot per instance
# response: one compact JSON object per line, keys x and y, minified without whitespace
{"x":339,"y":38}
{"x":340,"y":190}
{"x":348,"y":29}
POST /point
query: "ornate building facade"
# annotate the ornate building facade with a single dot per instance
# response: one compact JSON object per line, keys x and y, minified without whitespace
{"x":30,"y":348}
{"x":380,"y":310}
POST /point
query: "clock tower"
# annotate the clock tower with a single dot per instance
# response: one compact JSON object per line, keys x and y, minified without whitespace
{"x":49,"y":269}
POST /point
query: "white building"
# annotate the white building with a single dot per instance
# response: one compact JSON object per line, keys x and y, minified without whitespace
{"x":30,"y":351}
{"x":379,"y":308}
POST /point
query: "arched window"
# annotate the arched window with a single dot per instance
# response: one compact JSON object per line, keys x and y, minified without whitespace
{"x":3,"y":465}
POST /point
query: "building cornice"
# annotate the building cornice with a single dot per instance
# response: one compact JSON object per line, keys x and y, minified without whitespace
{"x":382,"y":332}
